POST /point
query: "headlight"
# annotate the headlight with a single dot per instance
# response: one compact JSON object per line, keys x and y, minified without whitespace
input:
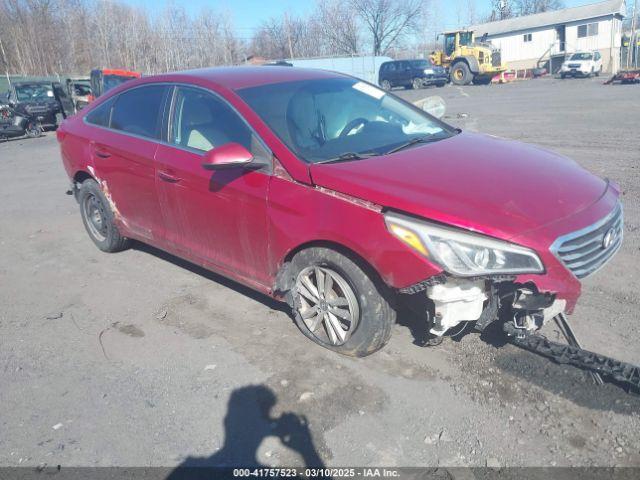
{"x":462,"y":253}
{"x":428,"y":71}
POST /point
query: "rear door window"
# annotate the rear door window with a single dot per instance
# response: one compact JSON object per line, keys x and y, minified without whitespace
{"x":139,"y":111}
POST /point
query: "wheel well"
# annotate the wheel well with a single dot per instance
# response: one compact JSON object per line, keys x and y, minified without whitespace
{"x":460,"y":60}
{"x":284,"y":278}
{"x":81,"y":176}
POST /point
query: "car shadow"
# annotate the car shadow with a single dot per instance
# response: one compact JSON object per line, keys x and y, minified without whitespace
{"x":214,"y":277}
{"x":17,"y":139}
{"x":247,"y":422}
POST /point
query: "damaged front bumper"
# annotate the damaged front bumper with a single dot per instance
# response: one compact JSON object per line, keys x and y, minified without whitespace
{"x":529,"y":300}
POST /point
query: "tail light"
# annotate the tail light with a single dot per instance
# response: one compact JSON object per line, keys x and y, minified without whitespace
{"x":60,"y":134}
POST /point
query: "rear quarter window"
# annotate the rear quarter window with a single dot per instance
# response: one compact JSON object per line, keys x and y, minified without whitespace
{"x":100,"y":115}
{"x":139,"y":111}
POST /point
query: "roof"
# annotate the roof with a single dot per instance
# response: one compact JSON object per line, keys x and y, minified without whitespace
{"x":236,"y":78}
{"x":584,"y":12}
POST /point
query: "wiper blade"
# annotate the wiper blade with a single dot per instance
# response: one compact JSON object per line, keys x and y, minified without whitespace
{"x":413,"y":141}
{"x":423,"y":139}
{"x":347,"y":156}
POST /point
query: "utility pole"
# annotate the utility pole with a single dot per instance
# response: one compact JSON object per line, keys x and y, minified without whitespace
{"x":6,"y":64}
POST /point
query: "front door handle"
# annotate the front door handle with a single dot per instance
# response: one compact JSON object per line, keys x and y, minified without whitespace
{"x":167,"y":177}
{"x":102,"y":154}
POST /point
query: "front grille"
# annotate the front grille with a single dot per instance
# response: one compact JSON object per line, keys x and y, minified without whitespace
{"x":585,"y":251}
{"x":37,"y":109}
{"x":496,"y":59}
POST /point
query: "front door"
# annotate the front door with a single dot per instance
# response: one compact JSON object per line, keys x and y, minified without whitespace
{"x":214,"y":217}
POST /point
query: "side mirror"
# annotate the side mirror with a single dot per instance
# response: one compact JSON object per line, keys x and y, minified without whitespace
{"x":227,"y":156}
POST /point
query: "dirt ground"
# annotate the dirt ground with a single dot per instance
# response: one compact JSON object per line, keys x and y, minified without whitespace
{"x":141,"y":359}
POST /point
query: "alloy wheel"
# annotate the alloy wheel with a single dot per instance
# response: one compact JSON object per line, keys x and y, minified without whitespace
{"x":327,"y":304}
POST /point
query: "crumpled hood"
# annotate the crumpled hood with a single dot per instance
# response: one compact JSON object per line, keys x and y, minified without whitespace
{"x":495,"y":186}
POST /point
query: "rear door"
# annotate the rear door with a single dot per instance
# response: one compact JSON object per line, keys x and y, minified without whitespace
{"x":404,"y":73}
{"x":122,"y":153}
{"x":215,"y":217}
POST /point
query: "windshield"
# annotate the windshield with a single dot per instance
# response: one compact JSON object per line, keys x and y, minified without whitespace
{"x":112,"y":81}
{"x":581,"y":56}
{"x":466,"y":38}
{"x":34,"y":92}
{"x":324,"y":119}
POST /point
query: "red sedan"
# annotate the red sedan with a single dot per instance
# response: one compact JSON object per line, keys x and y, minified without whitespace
{"x":339,"y":198}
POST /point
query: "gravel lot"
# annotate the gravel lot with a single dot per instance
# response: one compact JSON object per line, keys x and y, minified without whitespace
{"x":141,"y":359}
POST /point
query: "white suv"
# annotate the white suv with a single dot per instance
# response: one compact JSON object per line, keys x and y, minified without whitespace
{"x":582,"y":64}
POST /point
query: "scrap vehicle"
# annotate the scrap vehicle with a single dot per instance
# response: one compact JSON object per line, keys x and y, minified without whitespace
{"x":103,"y":80}
{"x":14,"y":124}
{"x":625,"y":76}
{"x":79,"y":89}
{"x":582,"y":64}
{"x":468,"y":61}
{"x":411,"y":74}
{"x":345,"y":201}
{"x":47,"y":100}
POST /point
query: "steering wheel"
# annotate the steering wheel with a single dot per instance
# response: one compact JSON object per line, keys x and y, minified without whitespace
{"x":351,"y":125}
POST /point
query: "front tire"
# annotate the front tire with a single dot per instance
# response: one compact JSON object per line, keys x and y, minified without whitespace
{"x":417,"y":83}
{"x":461,"y":74}
{"x":99,"y":219}
{"x":339,"y":305}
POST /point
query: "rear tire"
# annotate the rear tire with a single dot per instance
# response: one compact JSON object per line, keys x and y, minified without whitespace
{"x":99,"y":218}
{"x":386,"y":85}
{"x":461,"y":74}
{"x":326,"y":282}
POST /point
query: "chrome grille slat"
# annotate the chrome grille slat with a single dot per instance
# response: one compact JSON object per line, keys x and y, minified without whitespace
{"x":591,"y":237}
{"x":583,"y":272}
{"x":583,"y":252}
{"x":571,"y":256}
{"x":586,"y":259}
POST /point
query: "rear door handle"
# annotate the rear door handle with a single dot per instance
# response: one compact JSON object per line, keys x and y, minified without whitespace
{"x":167,"y":177}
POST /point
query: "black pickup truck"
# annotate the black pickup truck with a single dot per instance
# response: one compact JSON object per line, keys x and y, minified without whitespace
{"x":45,"y":100}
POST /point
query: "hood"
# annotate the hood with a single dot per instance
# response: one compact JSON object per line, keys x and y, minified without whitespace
{"x":498,"y":187}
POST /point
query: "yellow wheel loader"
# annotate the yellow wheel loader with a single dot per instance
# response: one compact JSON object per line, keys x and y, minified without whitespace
{"x":468,"y":61}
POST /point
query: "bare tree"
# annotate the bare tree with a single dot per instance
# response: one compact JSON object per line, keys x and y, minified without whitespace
{"x":501,"y":10}
{"x":287,"y":37}
{"x":387,"y":21}
{"x":529,"y":7}
{"x":337,"y":26}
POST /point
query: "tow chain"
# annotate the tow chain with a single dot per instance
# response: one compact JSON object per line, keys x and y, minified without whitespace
{"x":622,"y":372}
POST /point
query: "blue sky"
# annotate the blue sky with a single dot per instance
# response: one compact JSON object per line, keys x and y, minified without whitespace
{"x":248,"y":14}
